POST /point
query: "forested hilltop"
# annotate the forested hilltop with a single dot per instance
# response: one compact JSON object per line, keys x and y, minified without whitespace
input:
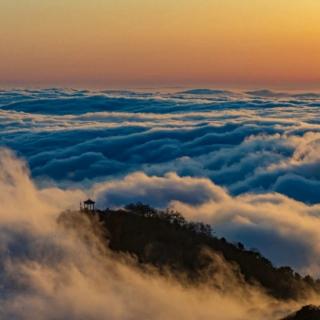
{"x":164,"y":240}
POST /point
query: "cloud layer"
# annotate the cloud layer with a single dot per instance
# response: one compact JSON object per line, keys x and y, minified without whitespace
{"x":245,"y":162}
{"x":259,"y":141}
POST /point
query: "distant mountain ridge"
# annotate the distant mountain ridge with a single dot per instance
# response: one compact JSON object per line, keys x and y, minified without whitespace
{"x":206,"y":92}
{"x":266,"y":93}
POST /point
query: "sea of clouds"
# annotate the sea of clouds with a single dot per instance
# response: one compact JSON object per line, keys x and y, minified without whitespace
{"x":255,"y":142}
{"x":248,"y":163}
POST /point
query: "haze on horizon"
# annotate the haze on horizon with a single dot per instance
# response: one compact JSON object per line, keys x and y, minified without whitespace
{"x":147,"y":42}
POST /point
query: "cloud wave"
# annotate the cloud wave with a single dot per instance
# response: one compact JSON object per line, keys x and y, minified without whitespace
{"x":244,"y":142}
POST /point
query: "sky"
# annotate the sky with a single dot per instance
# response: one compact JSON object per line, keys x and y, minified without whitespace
{"x":132,"y":43}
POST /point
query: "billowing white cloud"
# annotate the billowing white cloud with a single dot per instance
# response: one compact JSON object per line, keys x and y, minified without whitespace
{"x":158,"y":191}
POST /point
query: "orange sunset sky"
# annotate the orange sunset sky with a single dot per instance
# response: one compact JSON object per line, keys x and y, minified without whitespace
{"x":163,"y":42}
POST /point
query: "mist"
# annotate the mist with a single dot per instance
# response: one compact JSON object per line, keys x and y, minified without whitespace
{"x":49,"y":272}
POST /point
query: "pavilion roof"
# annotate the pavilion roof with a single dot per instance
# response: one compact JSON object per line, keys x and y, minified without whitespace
{"x":89,"y":201}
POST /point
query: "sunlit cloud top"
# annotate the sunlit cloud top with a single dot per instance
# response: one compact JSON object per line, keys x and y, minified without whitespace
{"x":133,"y":43}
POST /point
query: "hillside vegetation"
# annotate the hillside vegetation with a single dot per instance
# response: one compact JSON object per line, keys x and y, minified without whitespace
{"x":166,"y":241}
